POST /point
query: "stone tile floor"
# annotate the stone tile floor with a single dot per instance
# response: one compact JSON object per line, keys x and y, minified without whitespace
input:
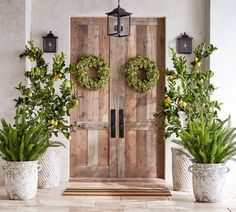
{"x":51,"y":200}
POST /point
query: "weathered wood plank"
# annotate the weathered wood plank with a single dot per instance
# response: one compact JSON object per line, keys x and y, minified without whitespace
{"x":134,"y":21}
{"x":93,"y":125}
{"x":141,"y":98}
{"x":73,"y":155}
{"x":130,"y":93}
{"x":130,"y":149}
{"x":92,"y":147}
{"x":103,"y":148}
{"x":92,"y":171}
{"x":152,"y":54}
{"x":121,"y":102}
{"x":143,"y":171}
{"x":151,"y":148}
{"x":113,"y":151}
{"x":82,"y":147}
{"x":141,"y":148}
{"x":147,"y":125}
{"x":82,"y":38}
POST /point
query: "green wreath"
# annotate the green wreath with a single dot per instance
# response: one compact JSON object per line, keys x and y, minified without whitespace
{"x":131,"y":75}
{"x":82,"y":68}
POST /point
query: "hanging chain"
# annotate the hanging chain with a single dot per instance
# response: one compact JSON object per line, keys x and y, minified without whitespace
{"x":119,"y":2}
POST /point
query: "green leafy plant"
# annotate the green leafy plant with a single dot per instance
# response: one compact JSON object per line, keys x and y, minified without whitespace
{"x":41,"y":96}
{"x":82,"y":68}
{"x":141,"y":63}
{"x":188,"y":89}
{"x":209,"y":140}
{"x":23,"y":141}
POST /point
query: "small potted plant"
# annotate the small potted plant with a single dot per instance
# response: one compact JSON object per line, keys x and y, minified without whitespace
{"x":49,"y":91}
{"x":21,"y":145}
{"x":188,"y":88}
{"x":210,"y":143}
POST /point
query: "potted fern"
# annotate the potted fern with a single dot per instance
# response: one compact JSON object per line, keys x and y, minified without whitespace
{"x":188,"y":88}
{"x":21,"y":145}
{"x":210,"y":143}
{"x":49,"y":92}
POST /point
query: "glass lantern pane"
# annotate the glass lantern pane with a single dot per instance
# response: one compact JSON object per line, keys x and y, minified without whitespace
{"x":185,"y":46}
{"x":49,"y":44}
{"x":124,"y":25}
{"x":113,"y":25}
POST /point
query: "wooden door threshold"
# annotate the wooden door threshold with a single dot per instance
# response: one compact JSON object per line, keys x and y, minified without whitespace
{"x":116,"y":179}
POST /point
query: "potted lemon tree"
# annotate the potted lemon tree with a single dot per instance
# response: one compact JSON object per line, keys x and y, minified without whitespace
{"x":49,"y":92}
{"x":21,"y":145}
{"x":188,"y":89}
{"x":209,"y":142}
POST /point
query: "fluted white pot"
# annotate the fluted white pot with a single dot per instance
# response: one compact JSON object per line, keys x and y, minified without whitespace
{"x":49,"y":175}
{"x":21,"y":179}
{"x":182,"y":178}
{"x":208,"y":181}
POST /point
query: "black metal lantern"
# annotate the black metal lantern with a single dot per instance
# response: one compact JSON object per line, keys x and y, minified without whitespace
{"x":50,"y":43}
{"x":184,"y":44}
{"x":118,"y":22}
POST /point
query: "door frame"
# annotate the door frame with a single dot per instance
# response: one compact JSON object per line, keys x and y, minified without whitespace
{"x":161,"y":65}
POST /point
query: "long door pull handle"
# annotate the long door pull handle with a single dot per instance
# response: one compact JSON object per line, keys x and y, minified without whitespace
{"x":113,"y":123}
{"x":121,"y":123}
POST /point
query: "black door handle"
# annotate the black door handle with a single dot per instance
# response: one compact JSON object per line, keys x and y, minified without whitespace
{"x":113,"y":123}
{"x":121,"y":123}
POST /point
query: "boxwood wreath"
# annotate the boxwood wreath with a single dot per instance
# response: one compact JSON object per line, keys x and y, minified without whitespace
{"x":82,"y":68}
{"x":141,"y":63}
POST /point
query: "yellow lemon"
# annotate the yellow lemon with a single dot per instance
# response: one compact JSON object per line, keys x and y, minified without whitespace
{"x":198,"y":64}
{"x":30,"y":94}
{"x":55,"y":123}
{"x":69,"y":138}
{"x":182,"y":103}
{"x":57,"y":78}
{"x":174,"y":76}
{"x":59,"y":75}
{"x":195,"y":59}
{"x":167,"y":100}
{"x":52,"y":122}
{"x":31,"y":59}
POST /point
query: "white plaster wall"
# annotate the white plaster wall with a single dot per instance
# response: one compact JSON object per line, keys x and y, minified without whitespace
{"x":12,"y":40}
{"x":222,"y":35}
{"x":181,"y":16}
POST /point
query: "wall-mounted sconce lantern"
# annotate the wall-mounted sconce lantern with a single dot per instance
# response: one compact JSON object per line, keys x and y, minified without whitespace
{"x":50,"y":43}
{"x":118,"y":22}
{"x":184,"y":44}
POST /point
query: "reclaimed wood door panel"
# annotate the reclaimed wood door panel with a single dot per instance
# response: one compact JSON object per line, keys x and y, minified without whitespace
{"x":93,"y":153}
{"x":144,"y":151}
{"x":89,"y":149}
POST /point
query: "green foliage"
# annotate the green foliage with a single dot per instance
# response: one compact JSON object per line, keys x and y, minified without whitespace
{"x":41,"y":97}
{"x":141,"y":63}
{"x":84,"y":65}
{"x":188,"y":89}
{"x":23,"y":141}
{"x":209,"y":140}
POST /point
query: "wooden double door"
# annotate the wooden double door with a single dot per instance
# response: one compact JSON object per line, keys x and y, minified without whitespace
{"x":117,"y":137}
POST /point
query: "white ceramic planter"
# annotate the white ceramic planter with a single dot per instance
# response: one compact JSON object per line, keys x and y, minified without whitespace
{"x":21,"y":179}
{"x":49,"y":175}
{"x":182,"y":178}
{"x":208,"y":181}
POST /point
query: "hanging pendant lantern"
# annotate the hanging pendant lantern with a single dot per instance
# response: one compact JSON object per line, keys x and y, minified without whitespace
{"x":118,"y":22}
